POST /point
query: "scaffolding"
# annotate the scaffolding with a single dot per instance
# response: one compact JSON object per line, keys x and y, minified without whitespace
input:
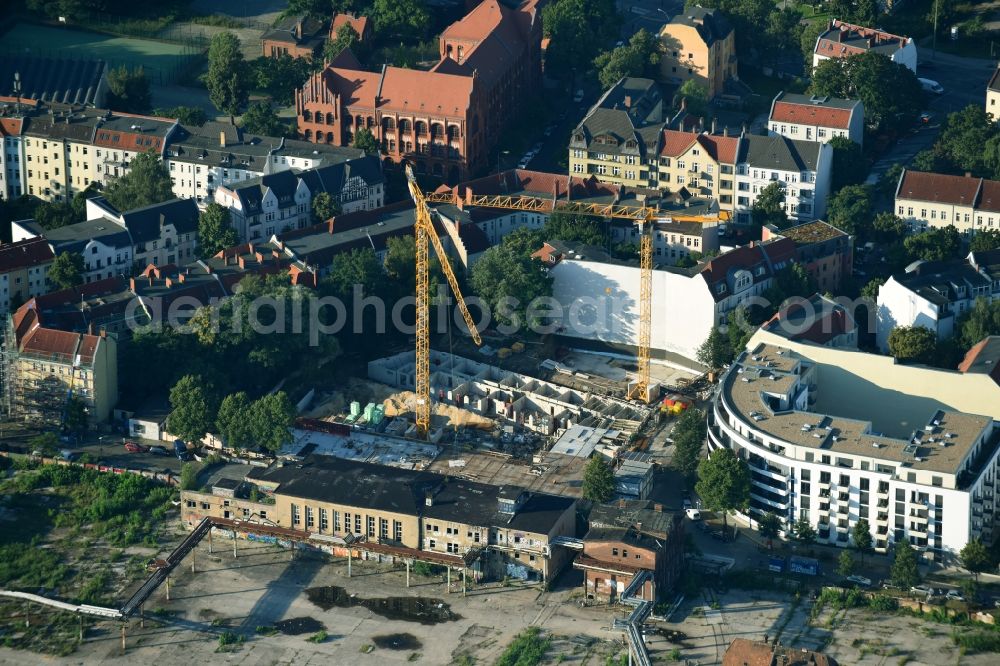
{"x":32,"y":391}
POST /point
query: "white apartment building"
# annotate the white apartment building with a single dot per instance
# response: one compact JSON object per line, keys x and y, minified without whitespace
{"x":104,"y":244}
{"x":803,"y":168}
{"x":814,"y":118}
{"x":844,"y":39}
{"x":935,"y":295}
{"x":922,"y":466}
{"x":266,"y":206}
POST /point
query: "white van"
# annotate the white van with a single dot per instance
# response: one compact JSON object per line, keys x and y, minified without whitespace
{"x":929,"y":85}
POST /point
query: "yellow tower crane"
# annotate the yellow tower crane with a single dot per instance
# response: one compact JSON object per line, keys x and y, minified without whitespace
{"x":423,"y":232}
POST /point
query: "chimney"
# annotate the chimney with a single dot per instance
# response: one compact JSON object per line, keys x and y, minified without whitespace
{"x":131,"y":284}
{"x":628,"y":101}
{"x":429,"y":498}
{"x":104,"y":333}
{"x":968,"y":174}
{"x":180,"y":278}
{"x":329,"y":226}
{"x":725,"y":130}
{"x":658,"y":507}
{"x":222,"y":138}
{"x":621,"y":504}
{"x":713,"y":124}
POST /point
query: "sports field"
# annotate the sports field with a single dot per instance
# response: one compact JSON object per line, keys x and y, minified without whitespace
{"x":161,"y":60}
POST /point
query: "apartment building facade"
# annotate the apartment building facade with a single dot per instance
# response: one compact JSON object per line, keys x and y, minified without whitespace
{"x":495,"y":532}
{"x":800,"y":416}
{"x":935,"y":200}
{"x":105,"y":246}
{"x":24,"y":267}
{"x":618,"y":140}
{"x":816,"y":118}
{"x":842,"y":39}
{"x":295,"y":36}
{"x":936,"y":295}
{"x":993,"y":95}
{"x":826,"y":252}
{"x":802,"y":168}
{"x":703,"y":164}
{"x":12,"y":156}
{"x":698,"y":45}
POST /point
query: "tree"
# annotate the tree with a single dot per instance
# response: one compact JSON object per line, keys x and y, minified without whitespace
{"x":983,"y":319}
{"x":77,"y":419}
{"x":792,"y":281}
{"x":808,"y":39}
{"x":938,"y":244}
{"x":324,"y":207}
{"x":146,"y":182}
{"x":739,"y":330}
{"x":576,"y":29}
{"x":187,"y":115}
{"x":128,"y":90}
{"x":314,"y":8}
{"x":769,"y":526}
{"x":508,"y":283}
{"x":850,"y":210}
{"x":79,"y":202}
{"x":985,"y":240}
{"x":845,"y":563}
{"x":769,"y":206}
{"x":715,"y":351}
{"x":865,"y":12}
{"x":215,"y":232}
{"x":862,"y":534}
{"x":399,"y":17}
{"x":357,"y":267}
{"x":637,"y":58}
{"x":47,"y":443}
{"x":695,"y":97}
{"x":260,"y":118}
{"x":904,"y":573}
{"x":962,"y":139}
{"x":365,"y":140}
{"x":67,"y":270}
{"x":889,"y":180}
{"x":723,"y":482}
{"x":227,"y":79}
{"x":689,"y":437}
{"x":189,"y":476}
{"x":889,"y":228}
{"x":194,"y":407}
{"x":346,"y":38}
{"x":524,"y":241}
{"x":975,"y":558}
{"x":233,"y":420}
{"x":55,"y":214}
{"x":804,"y":532}
{"x":271,"y":419}
{"x":598,"y":481}
{"x":870,"y":290}
{"x":866,"y":76}
{"x":280,"y":76}
{"x":912,"y":343}
{"x":567,"y":227}
{"x":849,"y":164}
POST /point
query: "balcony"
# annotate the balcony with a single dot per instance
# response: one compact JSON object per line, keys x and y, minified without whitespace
{"x":882,"y":518}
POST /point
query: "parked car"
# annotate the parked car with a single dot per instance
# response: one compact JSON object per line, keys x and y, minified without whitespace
{"x":955,"y":595}
{"x":578,"y":97}
{"x":693,"y":514}
{"x":922,"y":589}
{"x":687,"y":504}
{"x":159,"y":451}
{"x":134,"y":447}
{"x":860,"y":580}
{"x":69,"y":455}
{"x":932,"y":86}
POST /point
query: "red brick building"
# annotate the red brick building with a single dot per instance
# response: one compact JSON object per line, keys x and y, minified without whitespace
{"x":361,"y":24}
{"x":445,"y":121}
{"x":297,"y":36}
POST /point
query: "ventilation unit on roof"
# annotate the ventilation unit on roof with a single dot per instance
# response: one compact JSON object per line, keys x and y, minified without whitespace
{"x":937,"y":422}
{"x":876,"y":445}
{"x":919,"y":459}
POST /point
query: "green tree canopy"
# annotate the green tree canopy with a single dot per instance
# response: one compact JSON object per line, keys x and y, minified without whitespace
{"x":850,"y":210}
{"x":803,"y":532}
{"x":508,"y":283}
{"x":189,"y":476}
{"x":792,"y":281}
{"x":938,"y":244}
{"x":577,"y":29}
{"x":55,"y":214}
{"x":961,"y":142}
{"x":128,"y":90}
{"x":324,"y":207}
{"x":904,"y":571}
{"x":849,"y":164}
{"x":862,"y":536}
{"x":77,"y":420}
{"x":867,"y":76}
{"x":194,"y":405}
{"x":870,"y":290}
{"x":67,"y":270}
{"x":716,"y":351}
{"x":598,"y":480}
{"x":233,"y":420}
{"x":271,"y":419}
{"x":912,"y":343}
{"x":976,"y":558}
{"x":637,"y":58}
{"x":360,"y":267}
{"x":723,"y":482}
{"x":365,"y":140}
{"x":769,"y":526}
{"x":146,"y":182}
{"x":280,"y":76}
{"x":215,"y":231}
{"x":187,"y":115}
{"x":982,"y":319}
{"x":889,"y":228}
{"x":228,"y":77}
{"x":346,"y":38}
{"x":769,"y":206}
{"x":689,"y":437}
{"x":845,"y":563}
{"x":695,"y":97}
{"x":585,"y":229}
{"x":985,"y":240}
{"x":524,"y":241}
{"x":260,"y":118}
{"x":400,"y":17}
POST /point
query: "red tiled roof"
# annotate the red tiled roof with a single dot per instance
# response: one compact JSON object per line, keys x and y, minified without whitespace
{"x":985,"y":353}
{"x":403,"y":90}
{"x":24,"y":254}
{"x":989,"y":196}
{"x":359,"y":23}
{"x":831,"y":43}
{"x":811,"y":114}
{"x":939,"y":188}
{"x":722,"y":148}
{"x":11,"y":126}
{"x":675,"y":143}
{"x":745,"y":652}
{"x":48,"y":341}
{"x":478,"y":23}
{"x":134,"y":141}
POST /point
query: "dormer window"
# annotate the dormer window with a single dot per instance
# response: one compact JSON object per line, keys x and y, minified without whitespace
{"x":720,"y":288}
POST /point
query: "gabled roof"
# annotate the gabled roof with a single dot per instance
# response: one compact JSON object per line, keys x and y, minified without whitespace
{"x":251,"y":192}
{"x":761,"y":260}
{"x":983,"y":358}
{"x":722,"y":149}
{"x":632,"y":109}
{"x":335,"y":177}
{"x":24,"y":254}
{"x":359,"y":23}
{"x":144,"y":224}
{"x":842,"y":39}
{"x":75,"y":237}
{"x":11,"y":126}
{"x":710,"y":24}
{"x":287,"y":31}
{"x":938,"y":188}
{"x":994,"y":83}
{"x":812,"y":110}
{"x":404,"y":90}
{"x":989,"y":196}
{"x":745,"y":652}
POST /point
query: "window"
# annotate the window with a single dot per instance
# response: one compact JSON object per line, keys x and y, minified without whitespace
{"x":296,"y":517}
{"x":324,"y":523}
{"x":310,"y":518}
{"x":370,"y":524}
{"x":397,"y":530}
{"x":347,"y":522}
